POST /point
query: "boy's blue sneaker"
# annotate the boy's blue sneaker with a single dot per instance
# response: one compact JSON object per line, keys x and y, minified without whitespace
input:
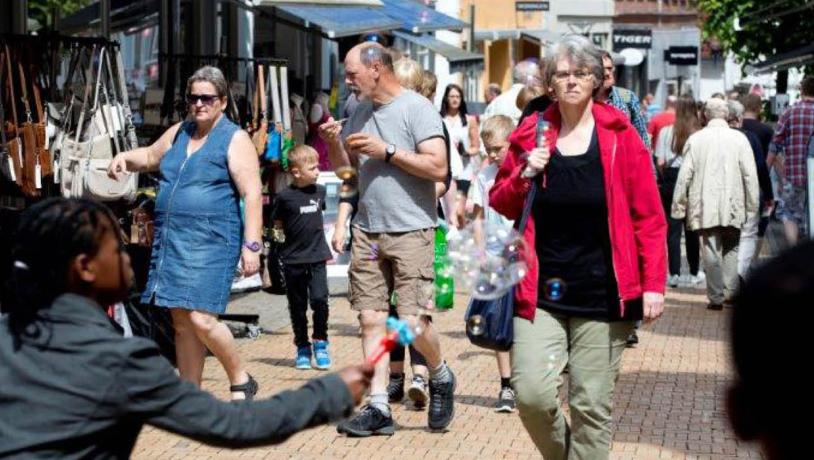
{"x":323,"y":357}
{"x":303,"y":358}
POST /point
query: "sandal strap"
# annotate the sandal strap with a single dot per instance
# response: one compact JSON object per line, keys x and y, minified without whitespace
{"x":249,"y":388}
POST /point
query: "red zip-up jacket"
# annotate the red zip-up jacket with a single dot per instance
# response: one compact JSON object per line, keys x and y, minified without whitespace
{"x":636,"y":221}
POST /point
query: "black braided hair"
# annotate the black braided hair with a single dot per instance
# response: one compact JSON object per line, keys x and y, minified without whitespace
{"x":50,"y":235}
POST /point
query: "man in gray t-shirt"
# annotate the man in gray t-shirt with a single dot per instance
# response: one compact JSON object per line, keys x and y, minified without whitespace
{"x":394,"y":139}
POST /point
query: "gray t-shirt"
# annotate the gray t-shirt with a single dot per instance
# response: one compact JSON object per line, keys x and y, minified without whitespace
{"x":391,"y":199}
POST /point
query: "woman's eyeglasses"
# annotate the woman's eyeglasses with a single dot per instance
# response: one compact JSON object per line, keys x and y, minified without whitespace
{"x":206,"y":99}
{"x":579,"y":75}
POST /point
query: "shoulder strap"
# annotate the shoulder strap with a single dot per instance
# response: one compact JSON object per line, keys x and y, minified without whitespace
{"x":130,"y":129}
{"x":24,"y":91}
{"x":275,"y":94}
{"x":261,"y":89}
{"x":2,"y":109}
{"x":10,"y":84}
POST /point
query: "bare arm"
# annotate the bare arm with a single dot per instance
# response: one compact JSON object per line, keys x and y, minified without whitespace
{"x":330,"y":131}
{"x":245,"y":171}
{"x":429,"y":162}
{"x":474,"y":137}
{"x":143,"y":159}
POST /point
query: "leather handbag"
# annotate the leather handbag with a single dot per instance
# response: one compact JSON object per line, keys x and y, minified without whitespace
{"x":84,"y":164}
{"x":37,"y":160}
{"x":494,"y":318}
{"x":12,"y":148}
{"x":260,"y":136}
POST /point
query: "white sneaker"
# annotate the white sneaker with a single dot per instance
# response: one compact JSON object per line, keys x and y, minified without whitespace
{"x":699,"y":278}
{"x":685,"y":280}
{"x":673,"y":281}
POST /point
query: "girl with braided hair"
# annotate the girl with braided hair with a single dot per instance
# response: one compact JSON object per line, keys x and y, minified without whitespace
{"x":72,"y":387}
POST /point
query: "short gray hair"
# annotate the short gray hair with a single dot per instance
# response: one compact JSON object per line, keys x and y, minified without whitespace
{"x":373,"y":52}
{"x":211,"y":75}
{"x":525,"y":71}
{"x":735,"y":110}
{"x":580,"y":51}
{"x":716,"y":108}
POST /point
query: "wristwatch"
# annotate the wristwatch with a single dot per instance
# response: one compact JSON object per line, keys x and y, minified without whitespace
{"x":253,"y":246}
{"x":389,"y":151}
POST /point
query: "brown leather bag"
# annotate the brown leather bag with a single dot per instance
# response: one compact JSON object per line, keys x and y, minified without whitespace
{"x":142,"y":227}
{"x":13,"y":153}
{"x":261,"y":134}
{"x":32,"y":166}
{"x":44,"y":155}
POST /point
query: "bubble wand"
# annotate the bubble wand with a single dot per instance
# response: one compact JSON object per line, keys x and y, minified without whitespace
{"x":400,"y":334}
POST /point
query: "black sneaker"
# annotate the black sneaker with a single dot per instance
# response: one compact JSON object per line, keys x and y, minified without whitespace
{"x":507,"y":400}
{"x":395,"y":390}
{"x":632,"y":340}
{"x":369,"y":421}
{"x":442,"y":403}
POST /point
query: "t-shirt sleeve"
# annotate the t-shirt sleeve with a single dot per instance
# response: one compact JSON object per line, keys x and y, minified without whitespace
{"x":323,"y":195}
{"x":278,"y":210}
{"x":478,"y":192}
{"x":425,"y":122}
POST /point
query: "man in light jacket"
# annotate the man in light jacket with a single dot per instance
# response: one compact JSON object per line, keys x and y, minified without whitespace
{"x":717,"y":189}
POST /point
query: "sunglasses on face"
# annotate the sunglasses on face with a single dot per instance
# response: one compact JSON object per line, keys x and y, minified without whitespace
{"x":206,"y":99}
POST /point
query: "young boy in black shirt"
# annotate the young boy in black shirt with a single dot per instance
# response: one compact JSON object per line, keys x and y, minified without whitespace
{"x":297,"y":215}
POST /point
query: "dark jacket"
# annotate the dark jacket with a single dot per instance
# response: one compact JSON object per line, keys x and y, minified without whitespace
{"x":78,"y":389}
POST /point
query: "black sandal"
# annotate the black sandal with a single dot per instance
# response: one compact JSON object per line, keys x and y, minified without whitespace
{"x":249,"y":389}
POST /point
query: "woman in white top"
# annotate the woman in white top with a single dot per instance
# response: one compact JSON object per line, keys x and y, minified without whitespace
{"x":463,"y":133}
{"x":669,"y":156}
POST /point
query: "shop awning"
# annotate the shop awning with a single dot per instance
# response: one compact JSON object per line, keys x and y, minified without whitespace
{"x":342,"y":21}
{"x":539,"y":37}
{"x":502,"y":34}
{"x":123,"y":14}
{"x":796,"y":58}
{"x":458,"y":58}
{"x":418,"y":18}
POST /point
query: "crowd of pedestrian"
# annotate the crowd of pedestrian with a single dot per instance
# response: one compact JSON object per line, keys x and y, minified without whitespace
{"x":607,"y":193}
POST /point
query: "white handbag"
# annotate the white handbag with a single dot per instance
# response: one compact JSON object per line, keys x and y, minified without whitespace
{"x":84,"y":163}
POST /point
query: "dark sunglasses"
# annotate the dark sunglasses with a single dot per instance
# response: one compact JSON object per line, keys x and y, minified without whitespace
{"x":206,"y":99}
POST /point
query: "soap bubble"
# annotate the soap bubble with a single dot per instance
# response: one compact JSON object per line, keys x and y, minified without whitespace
{"x":488,"y":262}
{"x":475,"y":325}
{"x":554,"y":289}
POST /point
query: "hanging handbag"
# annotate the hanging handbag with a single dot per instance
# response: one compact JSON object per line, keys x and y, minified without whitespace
{"x":275,"y":138}
{"x":12,"y":148}
{"x":495,"y":318}
{"x":37,"y":159}
{"x":260,"y":136}
{"x":84,"y":164}
{"x":127,"y":113}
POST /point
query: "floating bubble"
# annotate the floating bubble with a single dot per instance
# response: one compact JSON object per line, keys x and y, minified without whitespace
{"x":554,"y":289}
{"x":346,"y":172}
{"x":475,"y":325}
{"x":347,"y":190}
{"x":489,"y":261}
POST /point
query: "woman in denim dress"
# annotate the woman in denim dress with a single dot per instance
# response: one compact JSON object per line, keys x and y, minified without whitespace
{"x":206,"y":165}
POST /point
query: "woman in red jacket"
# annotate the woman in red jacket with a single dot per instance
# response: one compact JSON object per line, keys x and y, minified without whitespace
{"x":599,"y":264}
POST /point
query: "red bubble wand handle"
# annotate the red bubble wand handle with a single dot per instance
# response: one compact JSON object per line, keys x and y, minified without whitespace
{"x":400,"y":334}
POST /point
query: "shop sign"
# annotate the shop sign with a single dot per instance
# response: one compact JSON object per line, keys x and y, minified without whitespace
{"x":681,"y":55}
{"x":632,"y":38}
{"x":531,"y":6}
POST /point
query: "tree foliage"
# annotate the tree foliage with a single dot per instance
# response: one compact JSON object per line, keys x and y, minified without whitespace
{"x":42,"y":10}
{"x":767,"y":27}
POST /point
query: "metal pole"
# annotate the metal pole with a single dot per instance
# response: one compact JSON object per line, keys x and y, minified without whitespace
{"x":470,"y":45}
{"x":104,"y":18}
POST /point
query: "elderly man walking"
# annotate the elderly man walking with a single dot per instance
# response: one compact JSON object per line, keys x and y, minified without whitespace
{"x":716,"y":191}
{"x":523,"y":73}
{"x":395,"y":140}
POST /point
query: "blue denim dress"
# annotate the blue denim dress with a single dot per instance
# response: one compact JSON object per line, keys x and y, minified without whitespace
{"x":198,"y":229}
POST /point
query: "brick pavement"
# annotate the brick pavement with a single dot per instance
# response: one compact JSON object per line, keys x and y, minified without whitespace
{"x":669,"y":400}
